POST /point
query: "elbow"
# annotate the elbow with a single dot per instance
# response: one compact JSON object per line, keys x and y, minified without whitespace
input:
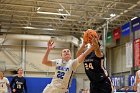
{"x":44,"y":62}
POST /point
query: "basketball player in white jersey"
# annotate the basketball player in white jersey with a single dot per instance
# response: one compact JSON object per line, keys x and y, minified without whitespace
{"x":138,"y":81}
{"x":64,"y":69}
{"x":4,"y":84}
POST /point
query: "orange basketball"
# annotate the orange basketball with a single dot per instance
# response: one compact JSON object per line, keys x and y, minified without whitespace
{"x":85,"y":37}
{"x":88,"y":35}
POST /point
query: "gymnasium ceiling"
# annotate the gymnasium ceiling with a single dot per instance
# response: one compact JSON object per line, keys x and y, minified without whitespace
{"x":64,"y":17}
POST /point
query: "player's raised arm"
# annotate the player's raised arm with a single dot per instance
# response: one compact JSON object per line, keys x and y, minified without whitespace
{"x":45,"y":60}
{"x":81,"y":50}
{"x":83,"y":47}
{"x":137,"y":77}
{"x":83,"y":55}
{"x":95,"y":44}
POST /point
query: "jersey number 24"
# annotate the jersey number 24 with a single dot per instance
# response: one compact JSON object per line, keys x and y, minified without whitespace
{"x":88,"y":66}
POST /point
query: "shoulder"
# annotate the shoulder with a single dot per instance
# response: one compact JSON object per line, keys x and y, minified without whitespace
{"x":56,"y":60}
{"x":22,"y":78}
{"x":101,"y":56}
{"x":15,"y":77}
{"x":72,"y":60}
{"x":5,"y":78}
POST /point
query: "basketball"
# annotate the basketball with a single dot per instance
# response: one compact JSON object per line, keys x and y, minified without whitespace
{"x":88,"y":35}
{"x":85,"y":37}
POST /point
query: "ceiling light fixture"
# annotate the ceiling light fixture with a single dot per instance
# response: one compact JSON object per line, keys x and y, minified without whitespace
{"x":134,"y":18}
{"x":38,"y":9}
{"x":52,"y":13}
{"x":60,"y":10}
{"x":112,"y":15}
{"x":29,"y":27}
{"x":48,"y":29}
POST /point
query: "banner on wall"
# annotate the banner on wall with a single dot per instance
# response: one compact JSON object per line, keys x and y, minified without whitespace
{"x":131,"y":80}
{"x":129,"y":60}
{"x":137,"y":52}
{"x":109,"y":37}
{"x":118,"y":80}
{"x":135,"y":24}
{"x":116,"y":33}
{"x":125,"y":29}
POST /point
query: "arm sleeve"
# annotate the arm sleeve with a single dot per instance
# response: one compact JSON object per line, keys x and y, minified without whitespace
{"x":25,"y":86}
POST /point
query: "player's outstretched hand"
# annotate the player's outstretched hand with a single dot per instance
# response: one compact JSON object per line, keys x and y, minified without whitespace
{"x":94,"y":43}
{"x":50,"y":44}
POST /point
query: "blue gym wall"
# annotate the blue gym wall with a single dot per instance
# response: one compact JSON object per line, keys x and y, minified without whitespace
{"x":36,"y":85}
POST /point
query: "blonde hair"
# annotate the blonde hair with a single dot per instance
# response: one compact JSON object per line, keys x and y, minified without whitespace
{"x":1,"y":74}
{"x":19,"y":69}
